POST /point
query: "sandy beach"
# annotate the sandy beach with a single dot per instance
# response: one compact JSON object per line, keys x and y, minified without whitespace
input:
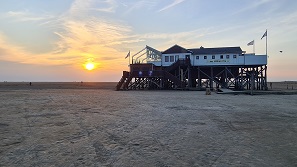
{"x":90,"y":124}
{"x":57,"y":85}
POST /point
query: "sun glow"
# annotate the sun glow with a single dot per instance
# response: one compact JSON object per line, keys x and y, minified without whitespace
{"x":90,"y":66}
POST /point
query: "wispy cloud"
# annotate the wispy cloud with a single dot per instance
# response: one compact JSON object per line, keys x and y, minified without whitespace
{"x":78,"y":38}
{"x":91,"y":36}
{"x":13,"y":53}
{"x":191,"y":38}
{"x":142,"y":4}
{"x":252,"y":5}
{"x":290,"y":19}
{"x":80,"y":7}
{"x":108,"y":6}
{"x":95,"y":38}
{"x":174,"y":3}
{"x":24,"y":16}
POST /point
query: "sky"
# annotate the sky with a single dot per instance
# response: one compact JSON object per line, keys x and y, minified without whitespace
{"x":51,"y":41}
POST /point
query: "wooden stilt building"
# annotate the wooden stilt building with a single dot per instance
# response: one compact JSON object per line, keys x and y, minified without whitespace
{"x":199,"y":68}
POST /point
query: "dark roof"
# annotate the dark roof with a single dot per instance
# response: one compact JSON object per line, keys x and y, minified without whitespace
{"x":223,"y":50}
{"x":176,"y":49}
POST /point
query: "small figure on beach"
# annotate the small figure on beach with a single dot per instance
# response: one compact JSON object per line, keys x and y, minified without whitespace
{"x":208,"y":92}
{"x":30,"y":83}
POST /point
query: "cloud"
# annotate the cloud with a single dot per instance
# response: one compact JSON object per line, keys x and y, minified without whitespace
{"x":24,"y":16}
{"x":108,"y":6}
{"x":289,"y":19}
{"x":147,"y":4}
{"x":92,"y":36}
{"x":81,"y":7}
{"x":9,"y":52}
{"x":252,"y":5}
{"x":174,"y":3}
{"x":78,"y":38}
{"x":13,"y":53}
{"x":87,"y":36}
{"x":189,"y":38}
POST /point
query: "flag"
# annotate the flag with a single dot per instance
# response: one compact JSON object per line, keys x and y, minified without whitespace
{"x":265,"y":34}
{"x":251,"y":43}
{"x":128,"y":55}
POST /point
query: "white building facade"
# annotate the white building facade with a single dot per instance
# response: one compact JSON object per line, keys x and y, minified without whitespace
{"x":224,"y":56}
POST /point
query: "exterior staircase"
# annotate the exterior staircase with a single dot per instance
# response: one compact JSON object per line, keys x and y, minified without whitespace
{"x":179,"y":62}
{"x":123,"y":80}
{"x":173,"y":66}
{"x":174,"y":79}
{"x":165,"y":74}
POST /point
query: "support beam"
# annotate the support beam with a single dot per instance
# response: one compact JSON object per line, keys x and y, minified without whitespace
{"x":199,"y":78}
{"x":211,"y":78}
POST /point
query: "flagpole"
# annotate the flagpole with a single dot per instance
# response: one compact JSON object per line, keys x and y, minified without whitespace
{"x":266,"y":42}
{"x":254,"y":46}
{"x":267,"y":57}
{"x":129,"y":59}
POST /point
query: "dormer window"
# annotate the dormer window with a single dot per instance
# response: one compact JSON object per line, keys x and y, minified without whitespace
{"x":166,"y":58}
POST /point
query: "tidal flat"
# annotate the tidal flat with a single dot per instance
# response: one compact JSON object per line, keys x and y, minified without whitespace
{"x":103,"y":127}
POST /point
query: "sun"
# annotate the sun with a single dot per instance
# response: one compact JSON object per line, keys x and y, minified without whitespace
{"x":90,"y":66}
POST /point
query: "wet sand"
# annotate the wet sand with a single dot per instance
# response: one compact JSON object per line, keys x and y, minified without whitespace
{"x":50,"y":124}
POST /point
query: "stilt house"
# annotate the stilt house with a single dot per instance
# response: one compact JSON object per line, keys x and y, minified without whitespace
{"x":198,"y":68}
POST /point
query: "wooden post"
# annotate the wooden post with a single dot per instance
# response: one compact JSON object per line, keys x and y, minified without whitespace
{"x":226,"y":78}
{"x":199,"y":79}
{"x":253,"y":81}
{"x":211,"y":79}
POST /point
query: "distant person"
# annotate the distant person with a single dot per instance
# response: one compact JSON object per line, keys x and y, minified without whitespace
{"x":270,"y":85}
{"x":30,"y":83}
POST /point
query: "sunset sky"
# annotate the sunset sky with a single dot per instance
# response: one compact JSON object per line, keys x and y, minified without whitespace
{"x":53,"y":40}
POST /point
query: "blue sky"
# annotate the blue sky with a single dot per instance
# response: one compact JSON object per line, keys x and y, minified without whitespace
{"x":51,"y":40}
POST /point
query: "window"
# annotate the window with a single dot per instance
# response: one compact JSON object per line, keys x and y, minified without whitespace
{"x":227,"y":56}
{"x":213,"y":56}
{"x":197,"y":57}
{"x":171,"y":58}
{"x":176,"y":57}
{"x":205,"y":57}
{"x":166,"y":58}
{"x":234,"y":56}
{"x":222,"y":56}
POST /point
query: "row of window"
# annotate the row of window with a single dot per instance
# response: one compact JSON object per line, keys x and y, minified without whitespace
{"x":221,"y":57}
{"x":176,"y":57}
{"x":171,"y":58}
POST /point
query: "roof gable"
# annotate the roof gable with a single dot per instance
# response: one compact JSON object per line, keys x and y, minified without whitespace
{"x":176,"y":49}
{"x":222,"y":50}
